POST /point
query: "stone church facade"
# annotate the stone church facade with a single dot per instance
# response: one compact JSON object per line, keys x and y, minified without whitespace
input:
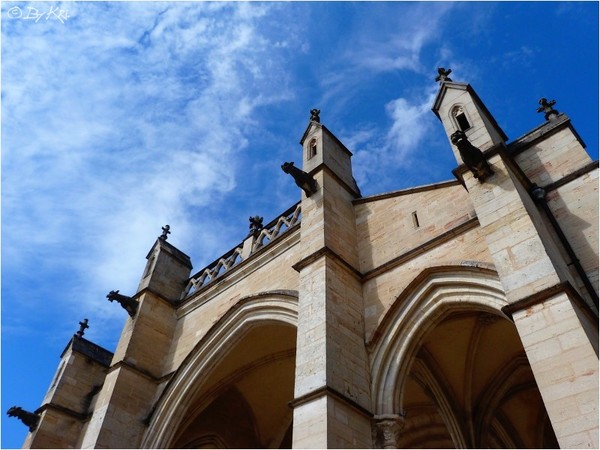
{"x":453,"y":315}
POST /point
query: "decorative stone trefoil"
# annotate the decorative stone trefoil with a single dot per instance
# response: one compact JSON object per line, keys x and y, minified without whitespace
{"x":314,"y":115}
{"x":166,"y":230}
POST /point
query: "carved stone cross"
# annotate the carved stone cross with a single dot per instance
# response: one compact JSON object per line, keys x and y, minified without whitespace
{"x":547,"y":108}
{"x":82,"y":327}
{"x":443,"y":75}
{"x":165,"y":231}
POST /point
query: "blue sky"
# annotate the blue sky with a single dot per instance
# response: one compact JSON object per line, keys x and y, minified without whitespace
{"x":121,"y":117}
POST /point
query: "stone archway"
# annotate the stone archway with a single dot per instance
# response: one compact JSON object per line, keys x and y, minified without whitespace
{"x":248,"y":355}
{"x":450,"y":366}
{"x":470,"y":386}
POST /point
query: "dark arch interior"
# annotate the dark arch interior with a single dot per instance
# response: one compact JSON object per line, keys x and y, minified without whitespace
{"x":471,"y":385}
{"x":244,"y":403}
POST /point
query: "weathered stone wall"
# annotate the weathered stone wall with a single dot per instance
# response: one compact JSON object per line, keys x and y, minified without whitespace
{"x":75,"y":380}
{"x":395,"y":251}
{"x":56,"y":430}
{"x":386,"y":226}
{"x":120,"y":411}
{"x":551,"y":157}
{"x":575,"y":206}
{"x":381,"y":292}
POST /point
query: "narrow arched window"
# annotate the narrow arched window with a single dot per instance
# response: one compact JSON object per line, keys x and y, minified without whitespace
{"x":312,"y":148}
{"x":460,"y":117}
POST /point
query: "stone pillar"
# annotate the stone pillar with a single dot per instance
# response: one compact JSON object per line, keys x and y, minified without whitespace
{"x":332,"y":389}
{"x":564,"y":362}
{"x":386,"y":432}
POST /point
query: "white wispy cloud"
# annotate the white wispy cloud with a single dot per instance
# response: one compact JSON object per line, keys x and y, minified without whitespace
{"x":118,"y":121}
{"x":400,"y":145}
{"x":391,"y":45}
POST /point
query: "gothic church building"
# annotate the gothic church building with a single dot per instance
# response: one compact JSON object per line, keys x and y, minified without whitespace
{"x":460,"y":314}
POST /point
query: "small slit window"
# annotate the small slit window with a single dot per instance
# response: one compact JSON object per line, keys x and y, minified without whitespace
{"x":58,"y":374}
{"x":312,"y":148}
{"x":461,"y":119}
{"x":149,"y":266}
{"x":415,"y":219}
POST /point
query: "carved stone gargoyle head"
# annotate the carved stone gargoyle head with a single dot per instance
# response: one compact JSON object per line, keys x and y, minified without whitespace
{"x":473,"y":158}
{"x":303,"y":180}
{"x":127,"y":303}
{"x":28,"y":418}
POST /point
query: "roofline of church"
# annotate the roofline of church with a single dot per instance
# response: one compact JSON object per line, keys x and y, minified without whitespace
{"x":406,"y":191}
{"x":89,"y":349}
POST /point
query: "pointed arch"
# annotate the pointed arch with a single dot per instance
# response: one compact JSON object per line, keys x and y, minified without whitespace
{"x":434,"y":294}
{"x":191,"y":376}
{"x":430,"y":377}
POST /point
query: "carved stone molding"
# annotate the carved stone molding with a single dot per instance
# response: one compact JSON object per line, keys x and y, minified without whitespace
{"x":387,"y":430}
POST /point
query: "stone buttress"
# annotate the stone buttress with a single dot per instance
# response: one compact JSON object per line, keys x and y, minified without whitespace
{"x":556,"y":320}
{"x":126,"y":399}
{"x":332,"y":396}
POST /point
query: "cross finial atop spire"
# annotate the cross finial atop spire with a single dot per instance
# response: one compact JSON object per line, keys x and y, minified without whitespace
{"x":547,"y":108}
{"x":165,"y":231}
{"x":314,"y":115}
{"x":82,"y":327}
{"x":443,"y":75}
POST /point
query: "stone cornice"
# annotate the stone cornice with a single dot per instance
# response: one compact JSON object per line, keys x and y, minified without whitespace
{"x":572,"y":176}
{"x":329,"y":391}
{"x":543,"y":131}
{"x":548,"y":293}
{"x":62,"y":409}
{"x":90,"y":350}
{"x":321,"y":253}
{"x":413,"y":190}
{"x":133,"y":368}
{"x":324,"y":167}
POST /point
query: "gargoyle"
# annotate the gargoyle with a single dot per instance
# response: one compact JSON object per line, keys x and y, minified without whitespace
{"x":472,"y":156}
{"x":304,"y":181}
{"x":28,"y":418}
{"x":129,"y":304}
